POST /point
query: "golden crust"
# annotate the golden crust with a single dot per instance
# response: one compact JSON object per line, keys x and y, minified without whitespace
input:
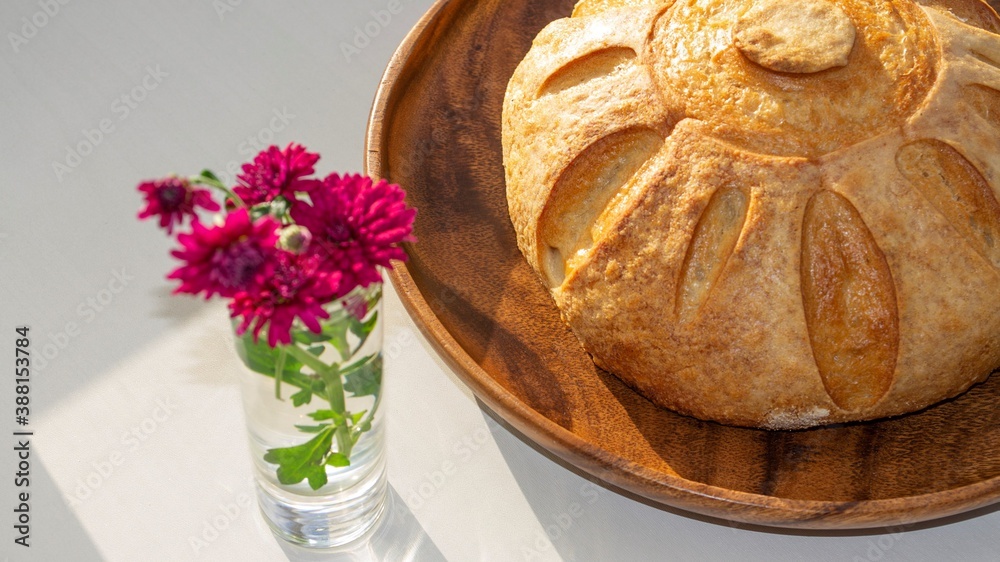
{"x":759,"y":247}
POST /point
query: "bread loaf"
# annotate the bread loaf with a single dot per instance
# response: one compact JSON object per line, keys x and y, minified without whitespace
{"x":767,"y":213}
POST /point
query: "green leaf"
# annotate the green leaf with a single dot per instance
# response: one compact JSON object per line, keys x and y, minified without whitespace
{"x":363,"y":329}
{"x":316,"y":350}
{"x":338,"y":338}
{"x":375,"y":297}
{"x":303,"y":462}
{"x":210,"y":175}
{"x":333,"y":332}
{"x":337,"y":459}
{"x":311,"y":428}
{"x":320,"y":415}
{"x":355,"y":418}
{"x":259,"y":210}
{"x":262,"y":358}
{"x":357,"y":364}
{"x":307,"y":337}
{"x":365,"y":379}
{"x":301,"y":397}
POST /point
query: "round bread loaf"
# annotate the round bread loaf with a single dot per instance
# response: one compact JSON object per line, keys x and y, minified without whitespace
{"x":767,"y":213}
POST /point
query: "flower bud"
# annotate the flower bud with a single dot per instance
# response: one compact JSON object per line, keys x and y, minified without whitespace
{"x":294,"y":238}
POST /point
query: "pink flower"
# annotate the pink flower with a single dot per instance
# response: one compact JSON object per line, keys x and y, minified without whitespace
{"x":173,"y":199}
{"x":276,"y":172}
{"x":297,"y":288}
{"x":356,"y":227}
{"x":236,"y":256}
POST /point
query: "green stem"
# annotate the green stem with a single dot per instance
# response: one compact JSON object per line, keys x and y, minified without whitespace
{"x":344,"y":441}
{"x":338,"y":403}
{"x":370,"y":415}
{"x":329,"y":373}
{"x":307,"y":359}
{"x":279,"y":370}
{"x":230,"y":194}
{"x":300,"y":381}
{"x":279,"y":209}
{"x":335,"y":390}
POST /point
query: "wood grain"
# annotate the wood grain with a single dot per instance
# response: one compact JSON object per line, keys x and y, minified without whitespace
{"x":435,"y":129}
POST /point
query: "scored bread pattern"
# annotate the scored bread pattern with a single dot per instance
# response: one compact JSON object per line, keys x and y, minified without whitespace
{"x":849,"y":301}
{"x":603,"y":163}
{"x":957,"y":190}
{"x":577,"y":209}
{"x":594,"y":65}
{"x":712,"y":243}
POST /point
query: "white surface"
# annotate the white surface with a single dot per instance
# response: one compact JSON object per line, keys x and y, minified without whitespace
{"x":139,"y":450}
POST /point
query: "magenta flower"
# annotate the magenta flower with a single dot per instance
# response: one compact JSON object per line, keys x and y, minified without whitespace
{"x":276,"y":172}
{"x":173,"y":199}
{"x":356,"y":227}
{"x":236,"y":256}
{"x":296,"y":288}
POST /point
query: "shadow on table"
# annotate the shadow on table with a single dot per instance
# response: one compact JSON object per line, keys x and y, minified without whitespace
{"x":575,"y":513}
{"x":54,"y":529}
{"x":105,"y":338}
{"x":398,"y":537}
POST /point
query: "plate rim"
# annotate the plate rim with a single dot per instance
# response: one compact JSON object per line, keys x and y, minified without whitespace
{"x":674,"y":490}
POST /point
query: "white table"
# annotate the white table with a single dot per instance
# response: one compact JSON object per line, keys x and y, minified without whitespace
{"x":139,"y":451}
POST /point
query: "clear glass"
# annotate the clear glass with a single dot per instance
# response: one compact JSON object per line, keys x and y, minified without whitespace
{"x":323,"y":413}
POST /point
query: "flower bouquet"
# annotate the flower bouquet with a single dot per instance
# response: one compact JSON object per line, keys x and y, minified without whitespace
{"x":299,"y":259}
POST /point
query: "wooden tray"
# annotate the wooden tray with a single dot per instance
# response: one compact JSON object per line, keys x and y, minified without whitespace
{"x":435,"y":129}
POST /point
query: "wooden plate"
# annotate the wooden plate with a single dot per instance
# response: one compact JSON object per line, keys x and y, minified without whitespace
{"x":435,"y":129}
